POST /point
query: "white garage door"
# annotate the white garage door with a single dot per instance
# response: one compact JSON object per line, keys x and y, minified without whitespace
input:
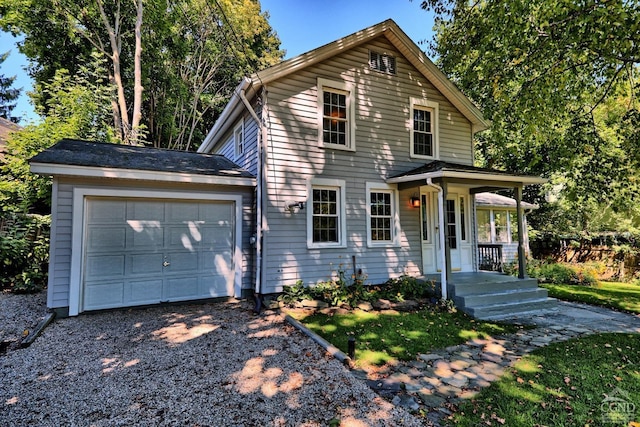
{"x":141,"y":251}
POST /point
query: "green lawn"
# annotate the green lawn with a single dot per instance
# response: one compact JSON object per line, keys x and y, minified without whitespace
{"x":381,"y":338}
{"x":564,"y":384}
{"x":616,"y":295}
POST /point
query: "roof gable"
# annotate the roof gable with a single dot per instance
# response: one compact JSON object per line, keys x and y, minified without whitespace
{"x":400,"y":41}
{"x":388,"y":29}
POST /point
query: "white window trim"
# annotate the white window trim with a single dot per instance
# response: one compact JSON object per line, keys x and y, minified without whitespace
{"x":351,"y":116}
{"x":336,"y":184}
{"x":434,"y":107}
{"x":492,"y":220}
{"x":395,"y":217}
{"x":239,"y":127}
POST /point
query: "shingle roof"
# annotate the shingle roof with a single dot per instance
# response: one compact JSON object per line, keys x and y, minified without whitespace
{"x":103,"y":155}
{"x":498,"y":200}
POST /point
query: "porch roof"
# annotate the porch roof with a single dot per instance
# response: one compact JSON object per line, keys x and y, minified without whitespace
{"x":464,"y":174}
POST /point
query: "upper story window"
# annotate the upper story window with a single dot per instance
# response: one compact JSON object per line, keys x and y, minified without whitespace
{"x":326,"y":217}
{"x":382,"y":62}
{"x":383,"y":226}
{"x":424,"y":129}
{"x":238,"y":138}
{"x":336,"y":115}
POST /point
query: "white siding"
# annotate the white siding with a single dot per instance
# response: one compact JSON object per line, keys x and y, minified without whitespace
{"x":382,"y":150}
{"x":62,"y":209}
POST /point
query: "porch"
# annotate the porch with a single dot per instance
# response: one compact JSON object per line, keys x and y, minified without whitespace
{"x":493,"y":295}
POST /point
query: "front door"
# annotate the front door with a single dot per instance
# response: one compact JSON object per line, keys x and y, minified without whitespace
{"x":456,"y":210}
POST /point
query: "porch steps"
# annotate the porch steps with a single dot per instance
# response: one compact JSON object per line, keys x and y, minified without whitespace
{"x":499,"y":296}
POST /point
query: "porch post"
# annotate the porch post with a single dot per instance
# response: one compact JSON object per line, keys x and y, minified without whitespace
{"x":522,"y":266}
{"x":445,"y":222}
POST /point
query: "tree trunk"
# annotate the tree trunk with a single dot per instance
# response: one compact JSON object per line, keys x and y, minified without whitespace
{"x":137,"y":78}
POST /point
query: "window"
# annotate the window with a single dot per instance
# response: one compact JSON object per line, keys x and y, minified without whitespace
{"x":424,"y":206}
{"x":382,"y":226}
{"x":336,"y":115}
{"x":497,"y":226}
{"x":484,"y":225}
{"x":450,"y":212}
{"x":326,"y":219}
{"x":382,"y":62}
{"x":463,"y":220}
{"x":424,"y":128}
{"x":238,"y":138}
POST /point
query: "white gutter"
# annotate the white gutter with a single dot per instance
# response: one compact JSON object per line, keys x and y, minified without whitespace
{"x":443,"y":252}
{"x":524,"y":179}
{"x":259,"y":184}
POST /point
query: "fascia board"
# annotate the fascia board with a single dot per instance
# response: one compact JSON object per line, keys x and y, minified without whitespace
{"x":144,"y":175}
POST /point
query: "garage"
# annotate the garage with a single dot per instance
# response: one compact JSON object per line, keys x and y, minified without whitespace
{"x":141,"y":251}
{"x":135,"y":226}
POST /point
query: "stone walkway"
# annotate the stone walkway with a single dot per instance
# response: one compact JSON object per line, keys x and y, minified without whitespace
{"x":438,"y":381}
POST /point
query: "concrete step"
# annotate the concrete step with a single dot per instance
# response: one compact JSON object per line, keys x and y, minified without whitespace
{"x":510,"y":295}
{"x":505,"y":284}
{"x":508,"y":309}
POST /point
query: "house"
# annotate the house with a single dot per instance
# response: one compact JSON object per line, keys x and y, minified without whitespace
{"x":354,"y":158}
{"x":497,"y":228}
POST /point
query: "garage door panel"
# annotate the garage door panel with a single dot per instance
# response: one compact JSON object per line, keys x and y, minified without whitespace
{"x":217,"y":237}
{"x":187,"y":236}
{"x":105,"y":266}
{"x":183,"y":261}
{"x":216,"y":286}
{"x":105,"y":294}
{"x":147,"y":263}
{"x":182,"y":211}
{"x":106,"y":211}
{"x":181,"y":288}
{"x":106,"y":239}
{"x":144,"y":291}
{"x":147,"y":236}
{"x":146,"y":210}
{"x":215,"y":212}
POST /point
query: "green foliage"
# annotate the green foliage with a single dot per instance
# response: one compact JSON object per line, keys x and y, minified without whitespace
{"x":558,"y":80}
{"x":563,"y":384}
{"x":615,"y":295}
{"x":79,"y":108}
{"x":383,"y":337}
{"x":550,"y":272}
{"x":338,"y":291}
{"x":24,"y":253}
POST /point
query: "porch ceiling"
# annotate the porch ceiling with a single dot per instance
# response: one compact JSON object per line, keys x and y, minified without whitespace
{"x":475,"y":178}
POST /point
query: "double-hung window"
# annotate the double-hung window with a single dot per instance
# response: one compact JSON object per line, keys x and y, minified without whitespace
{"x":336,"y":115}
{"x":382,"y":221}
{"x":424,"y":129}
{"x":497,"y":226}
{"x":326,"y":218}
{"x":238,"y":138}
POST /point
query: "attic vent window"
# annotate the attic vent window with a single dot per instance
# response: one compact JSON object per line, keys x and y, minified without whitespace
{"x":382,"y":62}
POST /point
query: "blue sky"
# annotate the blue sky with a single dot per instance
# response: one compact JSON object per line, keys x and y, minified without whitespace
{"x":302,"y":25}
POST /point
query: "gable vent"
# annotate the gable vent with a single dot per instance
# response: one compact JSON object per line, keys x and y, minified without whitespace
{"x":382,"y":62}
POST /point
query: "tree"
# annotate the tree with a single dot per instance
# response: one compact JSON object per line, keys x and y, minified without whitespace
{"x":191,"y":54}
{"x":547,"y":74}
{"x":7,"y":94}
{"x":79,"y":108}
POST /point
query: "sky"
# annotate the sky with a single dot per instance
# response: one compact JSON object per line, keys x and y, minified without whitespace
{"x":302,"y":25}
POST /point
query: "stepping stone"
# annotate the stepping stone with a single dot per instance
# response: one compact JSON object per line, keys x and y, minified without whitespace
{"x":429,"y":357}
{"x":431,"y":400}
{"x":405,"y":401}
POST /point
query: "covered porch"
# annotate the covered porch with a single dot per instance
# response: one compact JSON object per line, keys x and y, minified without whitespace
{"x":449,"y":237}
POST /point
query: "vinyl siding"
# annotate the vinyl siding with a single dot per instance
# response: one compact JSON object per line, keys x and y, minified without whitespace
{"x":62,"y":209}
{"x":382,"y":149}
{"x":248,"y":160}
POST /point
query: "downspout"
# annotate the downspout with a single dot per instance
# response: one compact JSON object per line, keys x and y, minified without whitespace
{"x":443,"y":261}
{"x":259,"y":184}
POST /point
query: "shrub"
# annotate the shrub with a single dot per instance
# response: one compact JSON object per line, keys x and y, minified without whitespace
{"x":562,"y":273}
{"x":24,"y":253}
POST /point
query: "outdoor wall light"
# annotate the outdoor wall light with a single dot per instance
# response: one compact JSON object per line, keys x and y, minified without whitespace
{"x":415,"y":201}
{"x":292,"y":206}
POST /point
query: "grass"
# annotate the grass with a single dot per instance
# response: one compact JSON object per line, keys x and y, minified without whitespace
{"x":382,"y":337}
{"x":616,"y":295}
{"x":564,"y":384}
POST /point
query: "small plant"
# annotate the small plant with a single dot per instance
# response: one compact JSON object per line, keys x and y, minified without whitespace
{"x":557,"y":273}
{"x":446,"y":305}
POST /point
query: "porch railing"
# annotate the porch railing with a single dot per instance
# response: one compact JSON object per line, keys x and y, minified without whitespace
{"x":490,"y":257}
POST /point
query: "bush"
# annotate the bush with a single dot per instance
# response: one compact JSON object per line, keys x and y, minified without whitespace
{"x":24,"y":253}
{"x":562,"y":273}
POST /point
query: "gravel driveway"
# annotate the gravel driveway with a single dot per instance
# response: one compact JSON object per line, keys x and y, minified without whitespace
{"x":211,"y":364}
